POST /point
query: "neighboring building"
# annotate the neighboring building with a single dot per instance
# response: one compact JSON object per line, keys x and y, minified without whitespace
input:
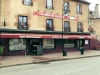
{"x":38,"y":26}
{"x":94,"y":25}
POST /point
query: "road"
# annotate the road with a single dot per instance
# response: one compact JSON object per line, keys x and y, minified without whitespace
{"x":83,"y":66}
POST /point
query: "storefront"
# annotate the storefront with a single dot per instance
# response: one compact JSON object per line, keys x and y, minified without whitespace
{"x":39,"y":43}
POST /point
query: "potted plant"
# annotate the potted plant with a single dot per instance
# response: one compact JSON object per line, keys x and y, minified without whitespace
{"x":1,"y":51}
{"x":90,"y":29}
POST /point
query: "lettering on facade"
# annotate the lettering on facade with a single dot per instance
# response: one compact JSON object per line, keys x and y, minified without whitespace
{"x":38,"y":13}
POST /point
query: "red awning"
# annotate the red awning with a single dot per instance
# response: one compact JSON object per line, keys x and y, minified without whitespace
{"x":56,"y":36}
{"x":11,"y":35}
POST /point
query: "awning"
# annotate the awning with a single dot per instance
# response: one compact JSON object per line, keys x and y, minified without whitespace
{"x":55,"y":36}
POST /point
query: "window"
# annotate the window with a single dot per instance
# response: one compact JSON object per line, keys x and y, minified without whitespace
{"x":66,"y":26}
{"x":49,"y":25}
{"x":27,"y":2}
{"x":66,"y":7}
{"x":22,"y":23}
{"x":79,"y":9}
{"x":80,"y":27}
{"x":69,"y":43}
{"x":17,"y":44}
{"x":48,"y":43}
{"x":49,"y":4}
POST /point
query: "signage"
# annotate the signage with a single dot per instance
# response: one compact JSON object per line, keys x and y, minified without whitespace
{"x":86,"y":42}
{"x":38,"y":13}
{"x":69,"y":45}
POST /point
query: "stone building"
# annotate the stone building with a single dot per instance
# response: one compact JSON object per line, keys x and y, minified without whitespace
{"x":43,"y":26}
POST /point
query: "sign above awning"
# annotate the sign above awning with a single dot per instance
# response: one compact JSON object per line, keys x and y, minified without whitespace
{"x":49,"y":36}
{"x":38,"y":13}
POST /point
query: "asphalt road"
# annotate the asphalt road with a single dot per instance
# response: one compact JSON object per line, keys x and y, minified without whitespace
{"x":83,"y":66}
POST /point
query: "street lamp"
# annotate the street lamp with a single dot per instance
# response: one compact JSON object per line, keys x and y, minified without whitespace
{"x":63,"y":50}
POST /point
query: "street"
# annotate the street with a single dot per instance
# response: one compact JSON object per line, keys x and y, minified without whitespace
{"x":83,"y":66}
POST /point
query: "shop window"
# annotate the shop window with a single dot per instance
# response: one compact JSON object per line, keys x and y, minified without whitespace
{"x":49,"y":25}
{"x":22,"y":23}
{"x":28,"y":2}
{"x":17,"y":44}
{"x":48,"y":43}
{"x":79,"y":9}
{"x":80,"y":27}
{"x":69,"y":43}
{"x":66,"y":8}
{"x":49,"y":4}
{"x":66,"y":26}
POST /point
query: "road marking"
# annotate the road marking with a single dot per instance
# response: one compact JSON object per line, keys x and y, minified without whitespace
{"x":74,"y":71}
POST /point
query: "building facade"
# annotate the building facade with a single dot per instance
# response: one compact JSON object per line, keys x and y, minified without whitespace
{"x":94,"y":20}
{"x":43,"y":26}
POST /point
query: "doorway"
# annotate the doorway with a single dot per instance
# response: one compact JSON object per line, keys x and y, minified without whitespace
{"x":34,"y":44}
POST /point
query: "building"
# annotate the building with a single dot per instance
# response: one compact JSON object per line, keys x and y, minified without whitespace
{"x":94,"y":21}
{"x":43,"y":26}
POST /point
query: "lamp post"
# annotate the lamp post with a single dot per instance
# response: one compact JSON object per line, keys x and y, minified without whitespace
{"x":63,"y":50}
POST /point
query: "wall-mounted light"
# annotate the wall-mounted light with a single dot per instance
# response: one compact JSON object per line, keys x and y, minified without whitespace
{"x":4,"y":22}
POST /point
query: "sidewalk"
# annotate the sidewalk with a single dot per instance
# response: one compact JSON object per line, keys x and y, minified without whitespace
{"x":22,"y":60}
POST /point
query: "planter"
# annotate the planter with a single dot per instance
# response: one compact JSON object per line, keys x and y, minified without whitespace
{"x":1,"y":50}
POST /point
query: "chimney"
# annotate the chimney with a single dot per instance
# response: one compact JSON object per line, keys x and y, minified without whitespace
{"x":97,"y":10}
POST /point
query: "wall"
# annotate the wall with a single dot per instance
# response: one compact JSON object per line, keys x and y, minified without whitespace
{"x":96,"y":26}
{"x":12,"y":8}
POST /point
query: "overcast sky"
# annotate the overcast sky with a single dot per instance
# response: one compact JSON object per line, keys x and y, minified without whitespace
{"x":93,"y":2}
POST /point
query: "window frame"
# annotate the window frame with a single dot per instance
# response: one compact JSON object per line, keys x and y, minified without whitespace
{"x":79,"y":8}
{"x":66,"y":7}
{"x":49,"y":7}
{"x":80,"y":27}
{"x":22,"y":24}
{"x":67,"y":28}
{"x":48,"y":27}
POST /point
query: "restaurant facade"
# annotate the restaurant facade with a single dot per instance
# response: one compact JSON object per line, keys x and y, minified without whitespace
{"x":38,"y":27}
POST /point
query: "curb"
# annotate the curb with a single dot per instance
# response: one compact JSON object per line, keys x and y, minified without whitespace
{"x":46,"y":61}
{"x":64,"y":59}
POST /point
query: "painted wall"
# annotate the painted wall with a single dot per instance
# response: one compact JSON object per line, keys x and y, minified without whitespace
{"x":10,"y":9}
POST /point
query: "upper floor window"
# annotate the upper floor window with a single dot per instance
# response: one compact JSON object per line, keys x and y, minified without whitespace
{"x":49,"y":25}
{"x":27,"y":2}
{"x":66,"y":26}
{"x":80,"y":27}
{"x":79,"y":9}
{"x":66,"y":7}
{"x":49,"y":4}
{"x":22,"y":23}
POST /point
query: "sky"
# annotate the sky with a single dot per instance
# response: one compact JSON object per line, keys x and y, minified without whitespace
{"x":93,"y":2}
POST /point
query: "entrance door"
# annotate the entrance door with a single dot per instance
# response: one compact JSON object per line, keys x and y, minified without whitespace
{"x":35,"y":43}
{"x":80,"y":42}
